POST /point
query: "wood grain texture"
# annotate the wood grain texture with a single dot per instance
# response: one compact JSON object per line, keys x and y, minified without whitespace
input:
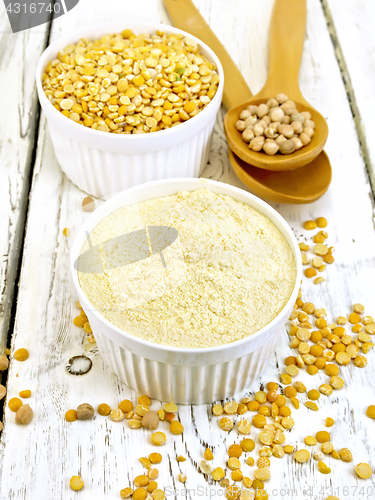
{"x":185,"y":16}
{"x":18,"y":56}
{"x":38,"y":460}
{"x":286,"y":41}
{"x":353,"y":36}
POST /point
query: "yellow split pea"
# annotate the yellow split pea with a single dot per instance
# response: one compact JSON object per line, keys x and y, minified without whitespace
{"x":25,"y":394}
{"x":302,"y":455}
{"x":158,"y":438}
{"x":71,"y":416}
{"x":129,"y":84}
{"x":364,"y":471}
{"x":310,"y":441}
{"x":21,"y":354}
{"x":15,"y":404}
{"x":76,"y":483}
{"x":176,"y":427}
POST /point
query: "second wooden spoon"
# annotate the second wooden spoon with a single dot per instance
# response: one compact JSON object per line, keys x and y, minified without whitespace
{"x":286,"y":38}
{"x":304,"y":185}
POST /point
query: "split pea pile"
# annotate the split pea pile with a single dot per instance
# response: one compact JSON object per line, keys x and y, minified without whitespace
{"x":276,"y":126}
{"x":145,"y":484}
{"x":139,"y":416}
{"x":327,"y":348}
{"x":322,"y":253}
{"x":328,"y":344}
{"x":131,"y":84}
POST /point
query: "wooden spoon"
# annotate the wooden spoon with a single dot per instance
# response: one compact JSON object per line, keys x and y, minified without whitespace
{"x":185,"y":16}
{"x":312,"y":180}
{"x":287,"y":34}
{"x":302,"y":185}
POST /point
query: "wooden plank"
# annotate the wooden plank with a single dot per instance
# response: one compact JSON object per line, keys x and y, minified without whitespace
{"x":19,"y":52}
{"x":352,"y":34}
{"x":39,"y":460}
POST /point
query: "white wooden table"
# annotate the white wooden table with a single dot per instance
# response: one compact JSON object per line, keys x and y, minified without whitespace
{"x":37,"y":300}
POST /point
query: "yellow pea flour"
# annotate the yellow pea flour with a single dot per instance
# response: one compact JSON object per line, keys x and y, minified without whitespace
{"x":228,"y":274}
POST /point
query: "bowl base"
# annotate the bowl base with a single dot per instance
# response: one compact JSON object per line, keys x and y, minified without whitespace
{"x":184,"y":384}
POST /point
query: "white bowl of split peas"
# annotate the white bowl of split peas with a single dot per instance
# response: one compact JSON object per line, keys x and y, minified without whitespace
{"x":123,"y":108}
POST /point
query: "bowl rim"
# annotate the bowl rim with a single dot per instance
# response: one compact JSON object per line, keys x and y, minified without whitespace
{"x":115,"y":27}
{"x":200,"y":183}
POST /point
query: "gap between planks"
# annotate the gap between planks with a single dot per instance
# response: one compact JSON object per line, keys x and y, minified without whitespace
{"x":354,"y":108}
{"x":13,"y":275}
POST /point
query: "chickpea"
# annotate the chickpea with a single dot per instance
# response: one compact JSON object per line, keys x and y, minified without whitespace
{"x":3,"y":392}
{"x":297,"y":126}
{"x":262,"y":110}
{"x":276,"y":114}
{"x":150,"y":420}
{"x":279,"y":139}
{"x":281,"y":98}
{"x":85,"y":411}
{"x":287,"y":147}
{"x":4,"y":363}
{"x":278,"y":120}
{"x":248,"y":134}
{"x":257,"y":143}
{"x":244,"y":114}
{"x":304,"y":138}
{"x":286,"y":130}
{"x":240,"y":125}
{"x":270,"y":148}
{"x":297,"y":142}
{"x":24,"y":415}
{"x":259,"y":130}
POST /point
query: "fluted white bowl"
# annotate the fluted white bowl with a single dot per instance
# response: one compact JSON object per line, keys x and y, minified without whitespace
{"x":102,"y":163}
{"x":185,"y":376}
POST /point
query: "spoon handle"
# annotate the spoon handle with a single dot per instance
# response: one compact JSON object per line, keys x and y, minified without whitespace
{"x":186,"y":16}
{"x":286,"y":38}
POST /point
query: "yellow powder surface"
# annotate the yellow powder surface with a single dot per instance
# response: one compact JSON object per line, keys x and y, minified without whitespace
{"x":228,"y":274}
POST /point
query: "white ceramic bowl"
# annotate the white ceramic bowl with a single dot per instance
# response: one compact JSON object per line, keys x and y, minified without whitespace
{"x":102,"y":163}
{"x":185,"y":376}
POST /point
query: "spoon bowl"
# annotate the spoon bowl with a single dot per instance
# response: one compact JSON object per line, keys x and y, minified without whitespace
{"x":285,"y":47}
{"x":302,"y":185}
{"x":277,"y":162}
